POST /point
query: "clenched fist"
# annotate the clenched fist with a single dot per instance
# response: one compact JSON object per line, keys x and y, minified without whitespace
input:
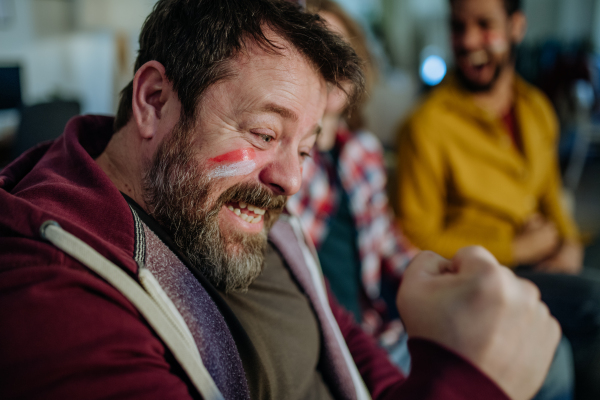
{"x":482,"y":311}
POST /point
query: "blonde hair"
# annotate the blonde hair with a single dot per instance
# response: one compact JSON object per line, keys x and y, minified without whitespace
{"x":358,"y":41}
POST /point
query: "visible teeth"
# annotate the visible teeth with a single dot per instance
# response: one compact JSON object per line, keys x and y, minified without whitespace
{"x":248,"y":218}
{"x":478,"y":57}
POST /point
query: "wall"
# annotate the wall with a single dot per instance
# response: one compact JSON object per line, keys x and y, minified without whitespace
{"x":410,"y":25}
{"x":18,"y":32}
{"x":81,"y":49}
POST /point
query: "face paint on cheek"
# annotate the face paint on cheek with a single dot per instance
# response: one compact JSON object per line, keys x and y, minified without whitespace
{"x":234,"y":163}
{"x":497,"y":44}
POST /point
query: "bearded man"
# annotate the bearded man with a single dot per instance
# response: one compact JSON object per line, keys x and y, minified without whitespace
{"x":119,"y":239}
{"x":477,"y":165}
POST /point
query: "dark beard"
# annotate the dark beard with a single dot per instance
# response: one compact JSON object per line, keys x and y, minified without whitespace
{"x":177,"y":193}
{"x":486,"y":87}
{"x":475,"y":87}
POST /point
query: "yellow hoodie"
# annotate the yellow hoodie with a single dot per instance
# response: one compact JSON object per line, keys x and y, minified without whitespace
{"x":461,"y":181}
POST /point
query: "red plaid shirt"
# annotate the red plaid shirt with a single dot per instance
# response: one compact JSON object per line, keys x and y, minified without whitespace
{"x":383,"y":249}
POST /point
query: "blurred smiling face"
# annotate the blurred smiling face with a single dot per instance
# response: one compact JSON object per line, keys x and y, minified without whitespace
{"x":483,"y":38}
{"x":220,"y":183}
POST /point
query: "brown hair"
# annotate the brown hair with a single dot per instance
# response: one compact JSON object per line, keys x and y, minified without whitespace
{"x":358,"y":41}
{"x":511,"y":6}
{"x":195,"y":39}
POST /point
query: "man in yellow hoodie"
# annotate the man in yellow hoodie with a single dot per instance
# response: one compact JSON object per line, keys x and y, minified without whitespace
{"x":478,"y":158}
{"x":477,"y":164}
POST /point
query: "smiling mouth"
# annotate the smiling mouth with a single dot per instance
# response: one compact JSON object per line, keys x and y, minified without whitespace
{"x":478,"y":58}
{"x":246,"y":212}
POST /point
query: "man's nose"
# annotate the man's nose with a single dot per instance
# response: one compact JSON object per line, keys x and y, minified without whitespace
{"x":471,"y":38}
{"x":283,"y":175}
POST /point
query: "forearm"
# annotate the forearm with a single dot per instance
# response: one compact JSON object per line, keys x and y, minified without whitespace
{"x":436,"y":372}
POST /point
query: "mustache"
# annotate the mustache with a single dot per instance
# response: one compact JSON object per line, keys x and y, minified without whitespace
{"x":255,"y":194}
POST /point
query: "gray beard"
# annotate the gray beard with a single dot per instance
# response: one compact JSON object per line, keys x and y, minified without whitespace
{"x":177,"y":194}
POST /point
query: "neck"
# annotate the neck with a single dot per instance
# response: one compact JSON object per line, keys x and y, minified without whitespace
{"x":122,"y":164}
{"x":500,"y":98}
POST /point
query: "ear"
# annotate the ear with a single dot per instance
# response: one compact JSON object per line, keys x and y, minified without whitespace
{"x":518,"y":26}
{"x":151,"y":92}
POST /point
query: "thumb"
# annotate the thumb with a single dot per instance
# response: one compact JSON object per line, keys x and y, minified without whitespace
{"x":473,"y":259}
{"x":428,"y":263}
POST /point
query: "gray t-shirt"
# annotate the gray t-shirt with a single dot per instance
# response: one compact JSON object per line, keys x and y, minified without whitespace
{"x":281,"y":323}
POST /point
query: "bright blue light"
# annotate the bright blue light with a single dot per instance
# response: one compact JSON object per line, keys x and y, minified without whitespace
{"x":433,"y":70}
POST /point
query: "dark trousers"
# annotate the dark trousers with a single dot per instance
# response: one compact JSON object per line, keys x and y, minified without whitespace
{"x":574,"y":300}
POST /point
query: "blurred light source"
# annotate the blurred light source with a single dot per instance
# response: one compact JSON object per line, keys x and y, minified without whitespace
{"x":584,"y":93}
{"x":433,"y":70}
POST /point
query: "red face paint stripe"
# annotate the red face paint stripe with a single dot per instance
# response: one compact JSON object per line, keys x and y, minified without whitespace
{"x":235,"y":156}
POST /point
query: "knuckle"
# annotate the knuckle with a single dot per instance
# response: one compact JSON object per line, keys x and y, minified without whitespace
{"x":427,"y":254}
{"x":422,"y":257}
{"x":553,"y":329}
{"x":550,"y":325}
{"x":472,"y":252}
{"x":556,"y":329}
{"x":530,"y":289}
{"x":545,"y":311}
{"x":492,"y":286}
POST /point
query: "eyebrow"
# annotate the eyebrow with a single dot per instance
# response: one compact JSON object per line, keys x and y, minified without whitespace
{"x":284,"y":112}
{"x":288,"y":114}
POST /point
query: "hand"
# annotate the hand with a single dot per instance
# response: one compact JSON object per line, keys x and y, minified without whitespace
{"x":481,"y":310}
{"x":538,"y":240}
{"x":568,"y":259}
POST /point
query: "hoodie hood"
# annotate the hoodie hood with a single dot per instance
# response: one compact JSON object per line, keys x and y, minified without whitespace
{"x":60,"y":181}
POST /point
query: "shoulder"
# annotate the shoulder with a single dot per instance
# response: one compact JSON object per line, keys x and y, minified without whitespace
{"x":36,"y":274}
{"x":66,"y":322}
{"x":29,"y":267}
{"x":431,"y":116}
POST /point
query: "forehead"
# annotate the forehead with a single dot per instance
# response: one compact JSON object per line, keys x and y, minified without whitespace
{"x":284,"y":75}
{"x":490,"y":9}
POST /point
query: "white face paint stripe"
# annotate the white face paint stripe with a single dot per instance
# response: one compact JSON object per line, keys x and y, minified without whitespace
{"x":237,"y":168}
{"x":498,"y":45}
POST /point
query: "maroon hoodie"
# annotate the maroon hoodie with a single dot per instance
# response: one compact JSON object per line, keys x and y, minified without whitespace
{"x":67,"y":334}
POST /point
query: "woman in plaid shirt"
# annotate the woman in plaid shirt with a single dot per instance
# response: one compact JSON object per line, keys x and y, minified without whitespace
{"x":344,"y":207}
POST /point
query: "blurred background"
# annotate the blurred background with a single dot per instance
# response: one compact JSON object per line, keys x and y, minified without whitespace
{"x":59,"y":58}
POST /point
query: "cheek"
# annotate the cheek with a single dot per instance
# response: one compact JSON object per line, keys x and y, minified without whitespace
{"x":234,"y":163}
{"x":496,"y":43}
{"x":238,"y":155}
